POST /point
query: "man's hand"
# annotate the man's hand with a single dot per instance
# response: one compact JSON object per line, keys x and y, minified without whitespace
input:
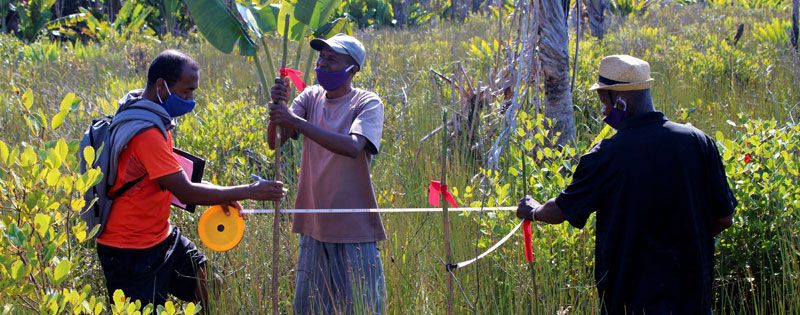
{"x":268,"y":190}
{"x":280,"y":91}
{"x":281,"y":116}
{"x":236,"y":205}
{"x":526,"y":208}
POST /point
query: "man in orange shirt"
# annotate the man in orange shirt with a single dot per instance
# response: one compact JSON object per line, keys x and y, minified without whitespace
{"x":140,"y":251}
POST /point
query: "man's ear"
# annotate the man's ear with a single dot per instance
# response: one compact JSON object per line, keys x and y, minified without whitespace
{"x":621,"y":102}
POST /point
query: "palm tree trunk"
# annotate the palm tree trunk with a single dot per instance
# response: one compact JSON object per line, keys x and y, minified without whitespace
{"x":553,"y":46}
{"x":596,"y":10}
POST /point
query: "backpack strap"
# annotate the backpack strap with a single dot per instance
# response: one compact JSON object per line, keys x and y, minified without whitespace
{"x":127,"y":186}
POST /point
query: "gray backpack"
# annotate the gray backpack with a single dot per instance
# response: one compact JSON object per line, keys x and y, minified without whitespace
{"x":108,"y":136}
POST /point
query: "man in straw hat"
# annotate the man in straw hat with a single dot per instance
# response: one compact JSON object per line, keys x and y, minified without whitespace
{"x":661,"y":195}
{"x":339,"y":268}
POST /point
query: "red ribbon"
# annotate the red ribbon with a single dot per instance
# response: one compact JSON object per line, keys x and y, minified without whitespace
{"x":528,"y":238}
{"x":435,"y":191}
{"x":295,"y":76}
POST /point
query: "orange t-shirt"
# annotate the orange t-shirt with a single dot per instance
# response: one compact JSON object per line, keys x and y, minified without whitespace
{"x":140,"y":217}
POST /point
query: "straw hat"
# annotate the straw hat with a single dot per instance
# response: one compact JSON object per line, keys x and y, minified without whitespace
{"x":623,"y":73}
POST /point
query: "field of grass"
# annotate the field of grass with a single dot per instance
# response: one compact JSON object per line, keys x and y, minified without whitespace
{"x":745,"y":95}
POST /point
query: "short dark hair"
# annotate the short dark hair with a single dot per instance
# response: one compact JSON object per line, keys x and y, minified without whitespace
{"x":169,"y":65}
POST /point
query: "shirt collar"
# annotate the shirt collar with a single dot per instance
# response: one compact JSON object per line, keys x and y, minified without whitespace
{"x":642,"y":119}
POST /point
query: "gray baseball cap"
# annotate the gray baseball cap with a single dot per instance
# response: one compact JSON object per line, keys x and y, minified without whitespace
{"x":343,"y":44}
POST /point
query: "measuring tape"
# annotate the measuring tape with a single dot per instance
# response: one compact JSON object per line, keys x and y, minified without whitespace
{"x":222,"y":232}
{"x":375,"y":210}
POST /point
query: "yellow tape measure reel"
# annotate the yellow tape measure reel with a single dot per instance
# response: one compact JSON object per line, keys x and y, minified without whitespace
{"x":218,"y":231}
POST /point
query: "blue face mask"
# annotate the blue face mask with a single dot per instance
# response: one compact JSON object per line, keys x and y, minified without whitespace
{"x":175,"y":105}
{"x":332,"y":80}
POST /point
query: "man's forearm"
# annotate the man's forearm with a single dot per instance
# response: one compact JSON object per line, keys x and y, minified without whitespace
{"x":722,"y":224}
{"x":209,"y":194}
{"x":549,"y":212}
{"x":346,"y":145}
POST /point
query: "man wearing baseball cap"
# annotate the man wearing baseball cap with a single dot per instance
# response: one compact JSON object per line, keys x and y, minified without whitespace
{"x":661,"y":195}
{"x":339,"y":267}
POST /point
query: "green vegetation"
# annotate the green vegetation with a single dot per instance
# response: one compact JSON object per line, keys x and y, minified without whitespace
{"x":744,"y":94}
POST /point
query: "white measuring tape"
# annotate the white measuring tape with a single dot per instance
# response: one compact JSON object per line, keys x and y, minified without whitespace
{"x":449,"y":267}
{"x":375,"y":210}
{"x":487,"y":252}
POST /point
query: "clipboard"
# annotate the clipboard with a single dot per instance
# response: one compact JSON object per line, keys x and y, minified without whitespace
{"x":193,"y":167}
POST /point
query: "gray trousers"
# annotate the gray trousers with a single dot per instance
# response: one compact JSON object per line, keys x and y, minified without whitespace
{"x":339,"y":278}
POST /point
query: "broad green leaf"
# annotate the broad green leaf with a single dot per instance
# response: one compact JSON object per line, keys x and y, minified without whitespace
{"x":528,"y":145}
{"x":296,"y":28}
{"x":3,"y":152}
{"x":52,"y":160}
{"x":88,"y":156}
{"x":94,"y":231}
{"x":68,"y":102}
{"x":62,"y":149}
{"x":79,"y":230}
{"x":49,"y":252}
{"x":62,"y":270}
{"x":314,"y":13}
{"x":95,"y":175}
{"x":118,"y":297}
{"x":220,"y":27}
{"x":247,"y":15}
{"x":15,"y":235}
{"x":27,"y":99}
{"x":41,"y":223}
{"x":169,"y":308}
{"x":267,"y":17}
{"x":189,"y":309}
{"x":28,"y":157}
{"x":340,"y":25}
{"x":77,"y":204}
{"x":58,"y":119}
{"x":602,"y":135}
{"x":18,"y":270}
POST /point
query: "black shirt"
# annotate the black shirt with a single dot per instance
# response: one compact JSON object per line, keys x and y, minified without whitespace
{"x":657,"y":187}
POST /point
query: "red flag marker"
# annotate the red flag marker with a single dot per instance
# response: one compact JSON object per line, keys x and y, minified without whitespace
{"x":435,"y":191}
{"x":528,"y":238}
{"x":295,"y":76}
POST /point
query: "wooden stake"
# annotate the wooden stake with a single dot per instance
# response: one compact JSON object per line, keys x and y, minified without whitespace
{"x":448,"y":251}
{"x":276,"y":220}
{"x":524,"y":193}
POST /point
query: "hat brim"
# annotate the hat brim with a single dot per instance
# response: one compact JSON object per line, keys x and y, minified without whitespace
{"x":622,"y":86}
{"x":319,"y":44}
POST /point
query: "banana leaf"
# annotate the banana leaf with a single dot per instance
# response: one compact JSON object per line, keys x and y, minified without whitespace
{"x":314,"y":13}
{"x":296,"y":27}
{"x":220,"y":26}
{"x":340,"y":25}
